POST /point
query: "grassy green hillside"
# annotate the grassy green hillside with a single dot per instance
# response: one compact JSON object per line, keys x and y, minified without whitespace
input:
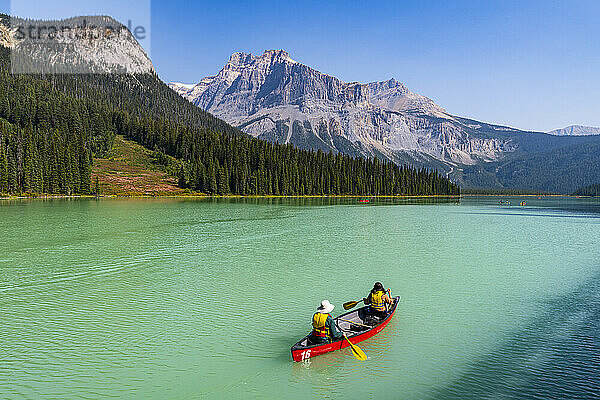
{"x":131,"y":169}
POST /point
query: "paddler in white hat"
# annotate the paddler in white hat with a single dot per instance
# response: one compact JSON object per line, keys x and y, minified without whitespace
{"x":324,"y":329}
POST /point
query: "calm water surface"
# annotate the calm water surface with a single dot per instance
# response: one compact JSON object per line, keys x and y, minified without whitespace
{"x":186,"y":299}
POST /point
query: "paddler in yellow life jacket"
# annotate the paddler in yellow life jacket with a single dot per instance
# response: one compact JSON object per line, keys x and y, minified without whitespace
{"x":379,"y":298}
{"x":324,"y":329}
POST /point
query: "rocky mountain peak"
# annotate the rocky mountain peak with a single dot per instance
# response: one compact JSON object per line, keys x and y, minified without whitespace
{"x":277,"y":56}
{"x":276,"y":98}
{"x":240,"y":58}
{"x":86,"y":44}
{"x":275,"y":79}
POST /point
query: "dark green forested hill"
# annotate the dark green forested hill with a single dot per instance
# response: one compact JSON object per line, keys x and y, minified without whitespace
{"x":52,"y":126}
{"x":559,"y":170}
{"x":592,"y":190}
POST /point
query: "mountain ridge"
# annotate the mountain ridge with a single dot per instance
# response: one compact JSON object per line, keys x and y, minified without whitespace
{"x":82,"y":44}
{"x":576,"y":130}
{"x":274,"y":97}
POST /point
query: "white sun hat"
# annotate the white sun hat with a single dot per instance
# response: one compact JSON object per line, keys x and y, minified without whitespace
{"x":326,"y":307}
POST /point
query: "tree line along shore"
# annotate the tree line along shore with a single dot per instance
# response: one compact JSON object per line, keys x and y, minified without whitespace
{"x":53,"y":127}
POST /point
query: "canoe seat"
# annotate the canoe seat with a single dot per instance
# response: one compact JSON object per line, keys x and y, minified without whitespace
{"x":356,"y":328}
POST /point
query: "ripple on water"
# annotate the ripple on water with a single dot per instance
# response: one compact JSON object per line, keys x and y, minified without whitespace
{"x":556,"y":356}
{"x":28,"y":280}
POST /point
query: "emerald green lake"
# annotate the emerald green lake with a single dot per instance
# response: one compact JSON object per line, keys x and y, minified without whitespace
{"x":187,"y":299}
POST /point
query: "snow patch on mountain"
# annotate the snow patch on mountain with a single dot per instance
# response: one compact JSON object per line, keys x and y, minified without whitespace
{"x":187,"y":86}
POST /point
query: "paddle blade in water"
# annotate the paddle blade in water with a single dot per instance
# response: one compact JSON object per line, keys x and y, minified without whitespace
{"x":356,"y":351}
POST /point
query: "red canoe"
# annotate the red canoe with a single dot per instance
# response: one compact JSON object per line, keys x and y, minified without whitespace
{"x":356,"y":333}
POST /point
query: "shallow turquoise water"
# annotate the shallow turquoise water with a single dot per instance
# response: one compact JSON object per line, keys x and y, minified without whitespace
{"x":203,"y":298}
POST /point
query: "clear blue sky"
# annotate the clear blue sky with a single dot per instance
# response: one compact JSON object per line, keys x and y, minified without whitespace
{"x":529,"y":64}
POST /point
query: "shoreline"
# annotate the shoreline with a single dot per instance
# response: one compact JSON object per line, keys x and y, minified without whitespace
{"x":206,"y":196}
{"x":521,"y":195}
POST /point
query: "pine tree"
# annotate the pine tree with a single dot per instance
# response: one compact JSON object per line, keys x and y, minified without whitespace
{"x":3,"y":167}
{"x":97,"y":186}
{"x":275,"y":185}
{"x":223,"y":181}
{"x":182,"y":180}
{"x":213,"y":180}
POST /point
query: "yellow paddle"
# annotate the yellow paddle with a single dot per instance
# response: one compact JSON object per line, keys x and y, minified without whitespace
{"x":351,"y":304}
{"x":356,"y":351}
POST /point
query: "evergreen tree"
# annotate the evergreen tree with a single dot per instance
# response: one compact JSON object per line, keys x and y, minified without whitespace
{"x":223,"y":181}
{"x":3,"y":167}
{"x":97,"y":187}
{"x":213,"y":180}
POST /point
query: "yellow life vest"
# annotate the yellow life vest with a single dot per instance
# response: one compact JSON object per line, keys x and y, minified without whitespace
{"x":318,"y":323}
{"x":377,"y":301}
